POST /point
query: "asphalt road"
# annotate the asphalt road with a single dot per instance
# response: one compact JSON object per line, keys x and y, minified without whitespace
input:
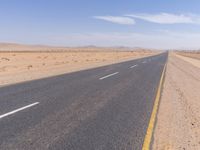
{"x":106,"y":108}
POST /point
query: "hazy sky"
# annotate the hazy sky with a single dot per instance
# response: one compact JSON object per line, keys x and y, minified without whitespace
{"x":137,"y":23}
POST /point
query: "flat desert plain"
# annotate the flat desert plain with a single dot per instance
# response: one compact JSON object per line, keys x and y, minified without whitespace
{"x":28,"y":65}
{"x":194,"y":54}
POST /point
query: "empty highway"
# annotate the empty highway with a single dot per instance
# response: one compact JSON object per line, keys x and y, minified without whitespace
{"x":106,"y":108}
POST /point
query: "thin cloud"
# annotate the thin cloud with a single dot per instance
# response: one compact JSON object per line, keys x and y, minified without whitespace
{"x":117,"y":19}
{"x":167,"y":18}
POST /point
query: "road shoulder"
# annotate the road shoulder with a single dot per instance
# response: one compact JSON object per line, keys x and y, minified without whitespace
{"x":178,"y":116}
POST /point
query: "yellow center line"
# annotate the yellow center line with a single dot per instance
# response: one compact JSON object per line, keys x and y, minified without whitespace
{"x":149,"y":133}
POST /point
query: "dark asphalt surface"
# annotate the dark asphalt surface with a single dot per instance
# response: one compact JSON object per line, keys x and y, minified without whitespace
{"x":78,"y":111}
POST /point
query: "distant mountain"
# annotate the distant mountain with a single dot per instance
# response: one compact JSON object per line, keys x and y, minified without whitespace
{"x":25,"y":47}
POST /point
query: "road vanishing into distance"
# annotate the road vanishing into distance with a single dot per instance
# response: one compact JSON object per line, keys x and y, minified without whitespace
{"x":106,"y":108}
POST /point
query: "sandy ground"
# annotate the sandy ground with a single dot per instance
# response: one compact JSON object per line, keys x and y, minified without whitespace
{"x":195,"y":55}
{"x":193,"y":61}
{"x":22,"y":66}
{"x":178,"y":120}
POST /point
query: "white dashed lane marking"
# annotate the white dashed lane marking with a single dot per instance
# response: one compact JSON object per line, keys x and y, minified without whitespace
{"x":17,"y":110}
{"x":108,"y":76}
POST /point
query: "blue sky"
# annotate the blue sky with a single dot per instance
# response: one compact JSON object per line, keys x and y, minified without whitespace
{"x":136,"y":23}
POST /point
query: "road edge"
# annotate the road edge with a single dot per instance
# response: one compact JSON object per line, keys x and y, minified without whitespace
{"x":149,"y":133}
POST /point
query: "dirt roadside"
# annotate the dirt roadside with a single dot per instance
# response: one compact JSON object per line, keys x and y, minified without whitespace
{"x":194,"y":54}
{"x":193,"y":61}
{"x":178,"y":120}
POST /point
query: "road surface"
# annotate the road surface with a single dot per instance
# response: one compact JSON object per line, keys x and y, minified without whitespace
{"x":106,"y":108}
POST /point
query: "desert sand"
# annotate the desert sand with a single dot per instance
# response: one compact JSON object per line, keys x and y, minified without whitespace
{"x":191,"y":54}
{"x":178,"y":118}
{"x":191,"y":60}
{"x":22,"y":66}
